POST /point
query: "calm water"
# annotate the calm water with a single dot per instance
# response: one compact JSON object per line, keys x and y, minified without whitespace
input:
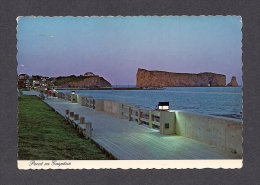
{"x":221,"y":101}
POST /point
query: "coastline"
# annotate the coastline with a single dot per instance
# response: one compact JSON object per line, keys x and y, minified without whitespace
{"x":218,"y":101}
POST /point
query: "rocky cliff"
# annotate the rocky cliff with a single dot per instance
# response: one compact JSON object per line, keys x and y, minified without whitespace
{"x":233,"y":82}
{"x":145,"y":78}
{"x":82,"y":81}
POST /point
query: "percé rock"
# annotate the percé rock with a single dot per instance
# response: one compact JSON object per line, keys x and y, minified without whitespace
{"x":82,"y":81}
{"x":233,"y":82}
{"x":145,"y":78}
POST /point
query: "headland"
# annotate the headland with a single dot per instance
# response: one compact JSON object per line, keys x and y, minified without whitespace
{"x":145,"y":78}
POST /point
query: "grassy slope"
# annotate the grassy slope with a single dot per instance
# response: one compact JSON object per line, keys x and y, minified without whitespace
{"x":46,"y":135}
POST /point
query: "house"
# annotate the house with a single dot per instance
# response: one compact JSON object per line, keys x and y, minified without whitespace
{"x":22,"y":80}
{"x":36,"y":83}
{"x":23,"y":77}
{"x":89,"y":74}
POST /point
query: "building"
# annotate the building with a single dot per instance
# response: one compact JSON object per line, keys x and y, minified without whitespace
{"x":89,"y":74}
{"x":36,"y":82}
{"x":23,"y":76}
{"x":22,"y":80}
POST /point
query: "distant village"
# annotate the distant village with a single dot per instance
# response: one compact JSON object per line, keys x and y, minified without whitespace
{"x":26,"y":81}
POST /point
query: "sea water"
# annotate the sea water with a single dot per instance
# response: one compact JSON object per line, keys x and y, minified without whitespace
{"x":218,"y":101}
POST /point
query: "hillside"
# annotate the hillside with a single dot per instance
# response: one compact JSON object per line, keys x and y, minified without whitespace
{"x":145,"y":78}
{"x":82,"y":81}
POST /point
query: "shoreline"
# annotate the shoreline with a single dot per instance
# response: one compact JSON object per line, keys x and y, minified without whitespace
{"x":135,"y":88}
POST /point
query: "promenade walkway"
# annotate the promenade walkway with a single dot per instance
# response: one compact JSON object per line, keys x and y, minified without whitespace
{"x":129,"y":141}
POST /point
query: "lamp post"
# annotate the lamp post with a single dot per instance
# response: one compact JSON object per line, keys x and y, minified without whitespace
{"x":73,"y":97}
{"x":163,"y":105}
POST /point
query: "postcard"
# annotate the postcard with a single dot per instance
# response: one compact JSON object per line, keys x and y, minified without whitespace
{"x":140,"y":92}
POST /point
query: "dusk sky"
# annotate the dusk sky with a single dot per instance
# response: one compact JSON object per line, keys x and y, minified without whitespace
{"x":115,"y":47}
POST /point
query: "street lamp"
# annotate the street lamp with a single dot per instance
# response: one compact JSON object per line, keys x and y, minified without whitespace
{"x":73,"y":97}
{"x":163,"y":105}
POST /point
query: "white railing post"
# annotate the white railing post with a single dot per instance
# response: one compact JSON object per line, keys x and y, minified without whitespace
{"x":139,"y":117}
{"x":150,"y":119}
{"x":93,"y":104}
{"x":167,"y":123}
{"x":119,"y":110}
{"x":129,"y":114}
{"x":82,"y":103}
{"x":88,"y":102}
{"x":88,"y":130}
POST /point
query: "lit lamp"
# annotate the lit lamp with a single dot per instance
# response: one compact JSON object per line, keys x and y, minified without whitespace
{"x":163,"y":105}
{"x":73,"y":97}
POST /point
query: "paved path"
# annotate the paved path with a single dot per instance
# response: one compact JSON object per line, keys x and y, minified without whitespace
{"x":130,"y":141}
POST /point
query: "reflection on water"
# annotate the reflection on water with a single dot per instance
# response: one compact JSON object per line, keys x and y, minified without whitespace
{"x":220,"y":101}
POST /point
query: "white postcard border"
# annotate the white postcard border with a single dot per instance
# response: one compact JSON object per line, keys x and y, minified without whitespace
{"x":129,"y":164}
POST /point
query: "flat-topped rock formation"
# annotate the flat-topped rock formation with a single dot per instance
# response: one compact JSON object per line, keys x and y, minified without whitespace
{"x":233,"y":82}
{"x":145,"y":78}
{"x":82,"y":81}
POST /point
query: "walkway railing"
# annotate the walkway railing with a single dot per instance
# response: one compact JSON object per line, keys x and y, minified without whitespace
{"x":142,"y":116}
{"x":124,"y":110}
{"x":225,"y":133}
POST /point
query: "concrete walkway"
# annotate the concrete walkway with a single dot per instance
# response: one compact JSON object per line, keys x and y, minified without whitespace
{"x":129,"y":141}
